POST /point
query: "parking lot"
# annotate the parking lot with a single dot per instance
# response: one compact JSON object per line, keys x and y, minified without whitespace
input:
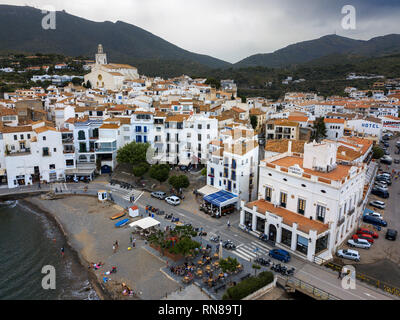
{"x":382,"y":260}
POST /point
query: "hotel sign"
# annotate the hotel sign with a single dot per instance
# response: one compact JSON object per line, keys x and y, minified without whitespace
{"x":296,"y":170}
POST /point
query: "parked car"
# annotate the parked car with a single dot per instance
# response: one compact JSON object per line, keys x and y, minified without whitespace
{"x":173,"y":200}
{"x":385,"y":179}
{"x":387,"y":152}
{"x":386,"y":161}
{"x":363,"y":236}
{"x":375,"y":221}
{"x":377,"y":204}
{"x":359,"y":243}
{"x":280,"y":254}
{"x":349,"y":254}
{"x":391,"y":234}
{"x":380,"y":193}
{"x":381,"y":187}
{"x":375,"y":214}
{"x":159,"y":195}
{"x":374,"y":234}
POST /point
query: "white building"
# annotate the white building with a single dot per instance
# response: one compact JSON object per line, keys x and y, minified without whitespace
{"x":232,"y":164}
{"x":307,"y":203}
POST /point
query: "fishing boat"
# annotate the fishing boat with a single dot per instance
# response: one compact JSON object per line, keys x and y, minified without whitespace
{"x":121,"y":223}
{"x":118,"y":215}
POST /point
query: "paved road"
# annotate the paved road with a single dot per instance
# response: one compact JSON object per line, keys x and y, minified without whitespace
{"x":248,"y":246}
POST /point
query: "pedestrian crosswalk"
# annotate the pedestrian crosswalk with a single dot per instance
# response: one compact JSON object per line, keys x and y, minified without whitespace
{"x":125,"y":194}
{"x":59,"y":187}
{"x":251,"y":251}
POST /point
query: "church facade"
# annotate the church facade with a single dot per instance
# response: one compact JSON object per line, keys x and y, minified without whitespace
{"x":109,"y":76}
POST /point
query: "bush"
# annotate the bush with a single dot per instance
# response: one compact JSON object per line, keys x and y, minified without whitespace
{"x":160,"y":172}
{"x":141,"y":169}
{"x":204,"y":172}
{"x":179,"y":182}
{"x":248,"y":286}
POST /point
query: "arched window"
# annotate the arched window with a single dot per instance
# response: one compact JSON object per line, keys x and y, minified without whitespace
{"x":81,"y":135}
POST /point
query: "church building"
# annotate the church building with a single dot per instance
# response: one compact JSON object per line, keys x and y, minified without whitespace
{"x":109,"y":76}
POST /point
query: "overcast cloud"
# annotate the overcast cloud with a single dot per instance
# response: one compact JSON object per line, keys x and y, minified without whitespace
{"x":235,"y":29}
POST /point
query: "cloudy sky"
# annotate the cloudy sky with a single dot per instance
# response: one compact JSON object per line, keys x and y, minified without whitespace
{"x":234,"y":29}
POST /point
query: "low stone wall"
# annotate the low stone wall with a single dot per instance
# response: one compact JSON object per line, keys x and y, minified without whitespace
{"x":262,"y":291}
{"x":173,"y":257}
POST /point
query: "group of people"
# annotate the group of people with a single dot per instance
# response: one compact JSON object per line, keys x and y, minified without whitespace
{"x":95,"y":266}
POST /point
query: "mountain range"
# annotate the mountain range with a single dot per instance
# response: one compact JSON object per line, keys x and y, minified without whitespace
{"x":21,"y":31}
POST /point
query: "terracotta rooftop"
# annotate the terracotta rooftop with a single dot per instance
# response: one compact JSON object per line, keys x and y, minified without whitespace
{"x":337,"y":174}
{"x":303,"y":224}
{"x":282,"y":145}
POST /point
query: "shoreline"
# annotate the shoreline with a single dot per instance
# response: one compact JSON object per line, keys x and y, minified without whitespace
{"x":101,"y":290}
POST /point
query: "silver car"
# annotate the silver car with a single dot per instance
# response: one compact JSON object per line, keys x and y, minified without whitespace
{"x":377,"y":204}
{"x":359,"y":243}
{"x":349,"y":254}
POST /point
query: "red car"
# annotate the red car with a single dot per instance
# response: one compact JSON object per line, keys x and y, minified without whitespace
{"x":367,"y":231}
{"x":364,"y":236}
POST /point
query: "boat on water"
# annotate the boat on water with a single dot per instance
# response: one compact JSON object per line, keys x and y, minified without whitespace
{"x":121,"y":223}
{"x":118,"y":215}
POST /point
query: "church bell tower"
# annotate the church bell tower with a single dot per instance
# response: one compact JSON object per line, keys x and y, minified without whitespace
{"x":101,"y":57}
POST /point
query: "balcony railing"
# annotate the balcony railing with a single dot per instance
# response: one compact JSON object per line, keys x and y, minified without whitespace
{"x":351,"y":212}
{"x":341,"y":221}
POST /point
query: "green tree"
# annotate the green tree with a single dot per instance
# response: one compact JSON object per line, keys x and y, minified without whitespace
{"x":179,"y":182}
{"x":160,"y":172}
{"x":185,"y":246}
{"x":319,"y":130}
{"x":204,"y":172}
{"x":229,"y":264}
{"x":377,"y":152}
{"x":213,"y":83}
{"x":141,"y":169}
{"x":133,"y":153}
{"x":254,"y":122}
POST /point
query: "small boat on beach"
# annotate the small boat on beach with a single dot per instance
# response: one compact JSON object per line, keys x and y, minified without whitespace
{"x":121,"y":223}
{"x":118,"y":215}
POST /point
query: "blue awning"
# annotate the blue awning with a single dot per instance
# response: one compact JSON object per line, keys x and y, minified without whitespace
{"x":221,"y":198}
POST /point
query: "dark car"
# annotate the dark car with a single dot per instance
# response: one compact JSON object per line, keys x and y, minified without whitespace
{"x":391,"y":234}
{"x":386,"y":161}
{"x":384,"y":179}
{"x":380,"y":193}
{"x":374,"y":221}
{"x":396,"y":161}
{"x":280,"y":254}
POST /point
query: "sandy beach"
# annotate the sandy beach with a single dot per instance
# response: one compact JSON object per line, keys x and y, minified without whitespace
{"x":90,"y":232}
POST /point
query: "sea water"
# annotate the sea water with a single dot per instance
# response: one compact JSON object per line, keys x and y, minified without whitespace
{"x":28,"y":242}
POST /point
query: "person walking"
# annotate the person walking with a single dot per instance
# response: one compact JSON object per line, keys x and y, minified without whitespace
{"x":116,"y":245}
{"x":114,"y":248}
{"x":228,"y":224}
{"x":134,"y":243}
{"x":62,"y":252}
{"x":340,"y":274}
